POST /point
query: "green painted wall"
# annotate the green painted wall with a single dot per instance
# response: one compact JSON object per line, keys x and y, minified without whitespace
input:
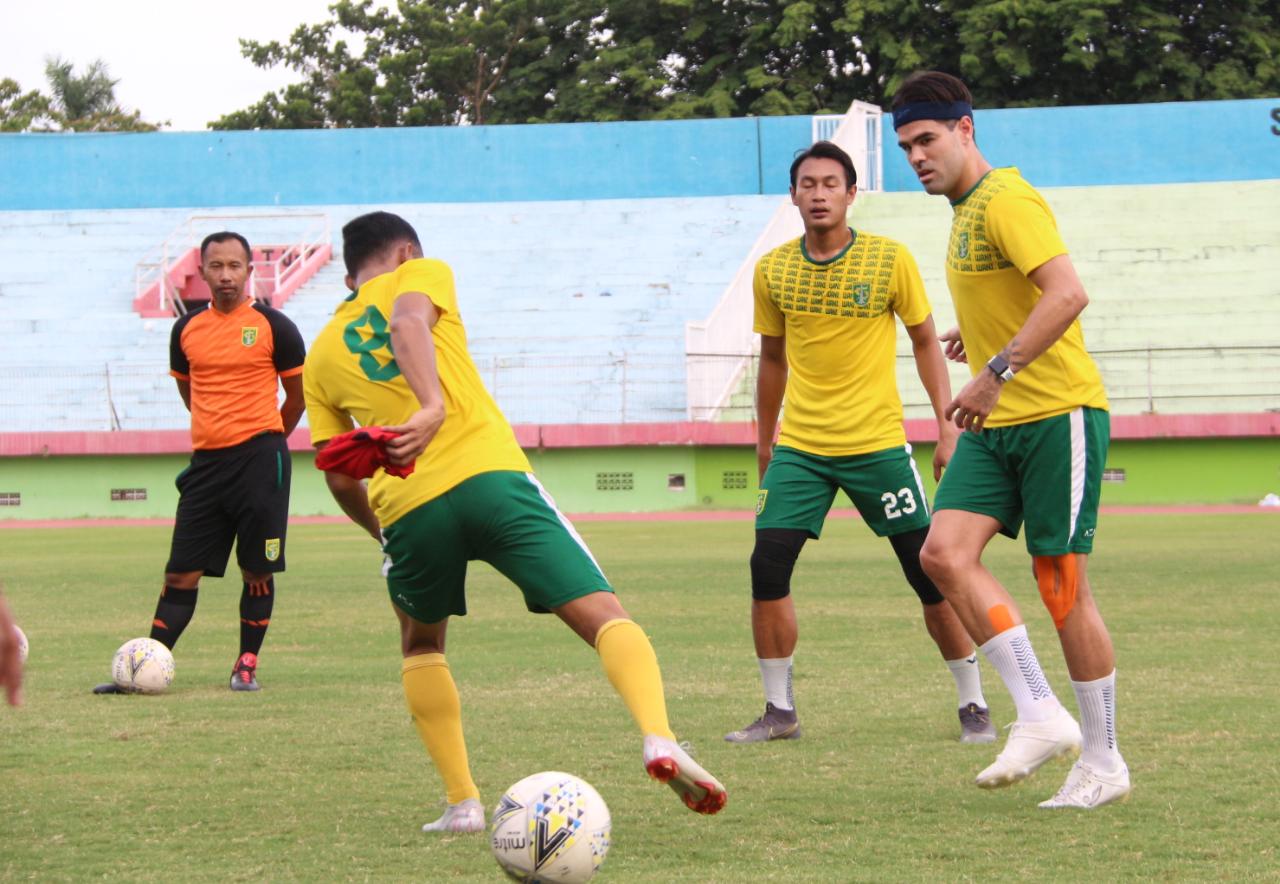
{"x":651,"y":479}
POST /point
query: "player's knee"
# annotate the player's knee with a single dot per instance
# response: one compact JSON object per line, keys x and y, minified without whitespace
{"x":183,"y":580}
{"x":1057,"y":579}
{"x":907,"y":547}
{"x":772,"y":561}
{"x":940,"y":562}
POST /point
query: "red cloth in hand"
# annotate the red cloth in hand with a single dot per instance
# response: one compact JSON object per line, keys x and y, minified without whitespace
{"x":359,"y":453}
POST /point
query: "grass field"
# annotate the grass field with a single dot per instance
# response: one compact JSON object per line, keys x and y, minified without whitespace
{"x":320,"y":776}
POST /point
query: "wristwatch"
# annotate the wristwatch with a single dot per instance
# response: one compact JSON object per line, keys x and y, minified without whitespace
{"x":1000,"y":366}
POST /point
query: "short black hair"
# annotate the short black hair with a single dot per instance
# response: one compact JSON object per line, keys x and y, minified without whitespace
{"x":225,"y":236}
{"x":931,"y":86}
{"x":370,"y":235}
{"x":825,"y":150}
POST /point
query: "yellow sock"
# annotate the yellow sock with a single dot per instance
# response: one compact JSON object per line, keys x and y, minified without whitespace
{"x":437,"y":714}
{"x":632,"y":668}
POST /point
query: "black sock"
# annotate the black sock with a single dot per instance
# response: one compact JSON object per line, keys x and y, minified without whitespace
{"x":255,"y":614}
{"x":173,"y":613}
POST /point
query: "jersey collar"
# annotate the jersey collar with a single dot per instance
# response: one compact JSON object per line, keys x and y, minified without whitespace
{"x":853,"y":238}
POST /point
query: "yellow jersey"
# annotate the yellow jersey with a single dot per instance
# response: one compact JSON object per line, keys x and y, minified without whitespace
{"x":838,"y":320}
{"x":1001,"y":232}
{"x":351,"y":378}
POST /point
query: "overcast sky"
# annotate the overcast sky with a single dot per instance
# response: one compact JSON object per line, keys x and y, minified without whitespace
{"x":176,"y":60}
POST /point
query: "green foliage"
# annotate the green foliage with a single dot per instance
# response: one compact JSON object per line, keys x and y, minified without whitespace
{"x":77,"y":102}
{"x":20,"y":111}
{"x":513,"y":61}
{"x":321,"y":777}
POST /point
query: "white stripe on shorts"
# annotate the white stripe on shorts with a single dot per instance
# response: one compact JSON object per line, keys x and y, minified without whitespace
{"x":915,"y":471}
{"x":1079,"y":466}
{"x":564,"y":520}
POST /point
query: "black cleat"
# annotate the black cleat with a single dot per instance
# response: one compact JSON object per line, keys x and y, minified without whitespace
{"x":109,"y":688}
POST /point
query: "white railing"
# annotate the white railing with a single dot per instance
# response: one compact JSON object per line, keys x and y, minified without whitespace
{"x":629,"y":388}
{"x":269,"y":275}
{"x":711,"y":381}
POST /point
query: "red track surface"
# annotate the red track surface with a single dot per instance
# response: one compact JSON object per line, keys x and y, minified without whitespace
{"x":687,"y":516}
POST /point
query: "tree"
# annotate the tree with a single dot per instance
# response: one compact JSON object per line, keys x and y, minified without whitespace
{"x":87,"y":102}
{"x":502,"y":61}
{"x":20,"y":111}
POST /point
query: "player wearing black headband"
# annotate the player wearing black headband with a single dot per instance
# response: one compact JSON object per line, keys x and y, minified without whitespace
{"x":1038,"y":427}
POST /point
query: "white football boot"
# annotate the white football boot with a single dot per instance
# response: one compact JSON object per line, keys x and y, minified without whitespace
{"x":1087,"y":787}
{"x":465,"y":816}
{"x":666,"y":762}
{"x":1030,"y":745}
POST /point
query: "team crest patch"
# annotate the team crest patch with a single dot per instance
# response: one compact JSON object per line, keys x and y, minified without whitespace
{"x":760,"y":499}
{"x":249,"y":335}
{"x":862,"y":294}
{"x":273,"y":549}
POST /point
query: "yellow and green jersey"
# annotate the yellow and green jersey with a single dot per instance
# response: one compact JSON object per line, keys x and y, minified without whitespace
{"x":838,"y":320}
{"x":351,"y":378}
{"x":1001,"y":232}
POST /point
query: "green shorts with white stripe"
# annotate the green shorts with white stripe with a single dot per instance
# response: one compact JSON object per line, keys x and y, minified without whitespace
{"x":799,"y":489}
{"x":1047,"y":473}
{"x":504,"y":518}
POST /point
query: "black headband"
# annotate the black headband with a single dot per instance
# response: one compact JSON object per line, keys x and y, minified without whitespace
{"x":931,"y":110}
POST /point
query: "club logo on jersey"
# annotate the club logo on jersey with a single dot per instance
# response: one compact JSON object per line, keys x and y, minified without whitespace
{"x":962,"y":244}
{"x":366,"y":336}
{"x":249,"y":335}
{"x":862,"y":294}
{"x":273,"y":549}
{"x":760,"y":499}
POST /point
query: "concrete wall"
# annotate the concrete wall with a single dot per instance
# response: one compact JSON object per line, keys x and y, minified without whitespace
{"x":1118,"y":144}
{"x":1182,"y":471}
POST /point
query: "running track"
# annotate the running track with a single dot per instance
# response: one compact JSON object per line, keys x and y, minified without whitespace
{"x":686,"y":516}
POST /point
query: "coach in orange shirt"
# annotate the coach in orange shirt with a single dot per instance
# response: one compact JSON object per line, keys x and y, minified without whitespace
{"x":226,"y":358}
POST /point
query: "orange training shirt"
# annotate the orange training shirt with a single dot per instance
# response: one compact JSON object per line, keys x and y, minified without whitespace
{"x":233,"y":361}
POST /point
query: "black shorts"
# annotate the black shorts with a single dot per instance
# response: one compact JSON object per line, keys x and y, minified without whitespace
{"x":238,"y":494}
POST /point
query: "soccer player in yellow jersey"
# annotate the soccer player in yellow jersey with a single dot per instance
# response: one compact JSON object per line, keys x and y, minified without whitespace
{"x":824,"y":308}
{"x":1037,"y":433}
{"x":395,"y":355}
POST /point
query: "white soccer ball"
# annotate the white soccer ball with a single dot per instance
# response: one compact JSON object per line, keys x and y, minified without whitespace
{"x":551,"y":826}
{"x":142,"y":666}
{"x":23,"y":647}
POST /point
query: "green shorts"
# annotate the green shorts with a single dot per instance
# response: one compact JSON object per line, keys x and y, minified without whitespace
{"x":1048,"y":472}
{"x":799,"y":488}
{"x":504,"y":518}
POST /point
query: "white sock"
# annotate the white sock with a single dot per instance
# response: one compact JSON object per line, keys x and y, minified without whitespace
{"x":776,"y":675}
{"x":1011,"y":654}
{"x":968,"y":681}
{"x":1097,"y":701}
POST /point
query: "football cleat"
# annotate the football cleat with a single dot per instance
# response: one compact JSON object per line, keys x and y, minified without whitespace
{"x":1030,"y":745}
{"x":243,"y":676}
{"x":1087,"y":787}
{"x":975,"y":725}
{"x":109,"y":688}
{"x":667,"y":762}
{"x":465,"y":816}
{"x":775,"y":724}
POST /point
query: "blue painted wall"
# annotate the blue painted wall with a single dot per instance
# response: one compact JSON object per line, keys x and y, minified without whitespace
{"x":1119,"y":144}
{"x":1174,"y":143}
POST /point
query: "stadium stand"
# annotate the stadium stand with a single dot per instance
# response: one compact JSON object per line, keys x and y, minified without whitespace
{"x":581,"y":326}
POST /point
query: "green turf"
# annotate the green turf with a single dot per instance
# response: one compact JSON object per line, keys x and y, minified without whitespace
{"x":320,"y":777}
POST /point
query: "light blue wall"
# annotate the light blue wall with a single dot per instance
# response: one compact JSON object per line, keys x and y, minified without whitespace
{"x":1173,"y":143}
{"x":1118,"y":144}
{"x":458,"y":165}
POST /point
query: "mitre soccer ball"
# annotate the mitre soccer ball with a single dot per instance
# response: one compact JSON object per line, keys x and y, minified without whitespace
{"x":22,"y":644}
{"x":142,"y":666}
{"x":549,"y":827}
